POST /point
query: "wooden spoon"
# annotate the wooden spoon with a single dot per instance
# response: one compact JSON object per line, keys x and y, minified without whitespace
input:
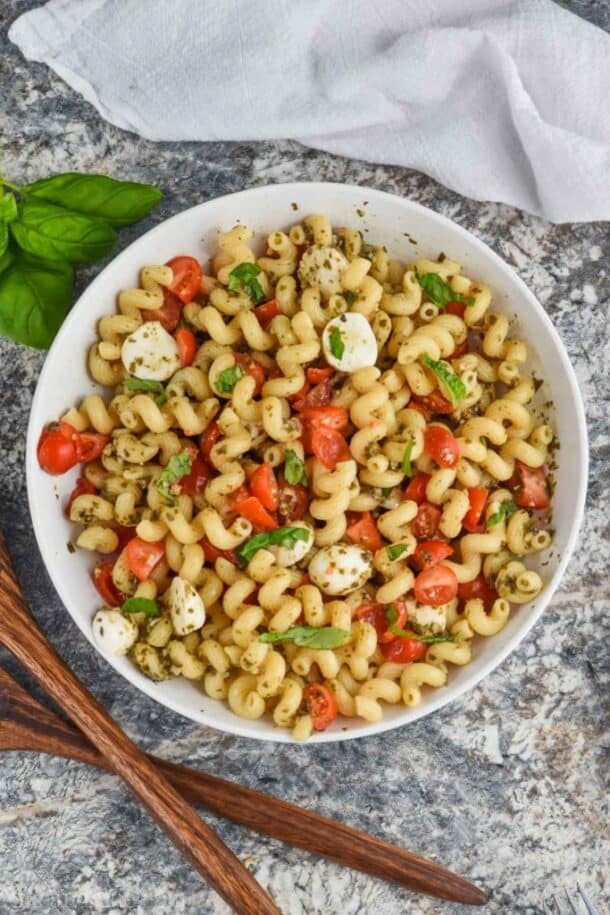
{"x":199,"y":844}
{"x":25,"y":724}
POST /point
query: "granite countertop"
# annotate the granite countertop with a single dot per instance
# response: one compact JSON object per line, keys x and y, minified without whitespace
{"x":505,"y":785}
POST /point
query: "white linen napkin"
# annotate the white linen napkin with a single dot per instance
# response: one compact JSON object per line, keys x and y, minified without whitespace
{"x":501,"y":100}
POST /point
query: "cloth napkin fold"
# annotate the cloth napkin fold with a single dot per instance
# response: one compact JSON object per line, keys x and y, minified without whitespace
{"x":501,"y":100}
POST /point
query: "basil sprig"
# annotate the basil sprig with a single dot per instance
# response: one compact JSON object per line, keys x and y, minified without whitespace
{"x":451,"y":385}
{"x":244,"y":277}
{"x":395,"y":550}
{"x":504,"y":510}
{"x":391,"y":614}
{"x":178,"y":466}
{"x":294,"y":468}
{"x":47,"y":226}
{"x":316,"y":637}
{"x":149,"y":386}
{"x":228,"y":378}
{"x":281,"y":536}
{"x":336,"y":343}
{"x":439,"y":291}
{"x":141,"y":605}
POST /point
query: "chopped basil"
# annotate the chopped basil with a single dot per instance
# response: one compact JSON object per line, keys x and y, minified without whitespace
{"x":148,"y":385}
{"x":317,"y":637}
{"x":395,"y":550}
{"x":178,"y":466}
{"x":141,"y":605}
{"x":281,"y":536}
{"x":439,"y":291}
{"x":294,"y":468}
{"x":335,"y":341}
{"x":387,"y":491}
{"x":504,"y":510}
{"x":391,"y":614}
{"x":406,"y":459}
{"x":228,"y":378}
{"x":451,"y":385}
{"x":244,"y":277}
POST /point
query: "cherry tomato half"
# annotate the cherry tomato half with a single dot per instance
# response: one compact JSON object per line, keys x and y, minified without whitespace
{"x":318,"y":396}
{"x":373,"y":613}
{"x":434,"y":403}
{"x":168,"y":315}
{"x":478,"y":588}
{"x":56,"y":451}
{"x":89,"y":445}
{"x":477,"y":496}
{"x":442,"y":447}
{"x":102,"y":579}
{"x":425,"y":524}
{"x":364,"y":531}
{"x":264,"y":486}
{"x":293,"y":500}
{"x":403,"y":650}
{"x":435,"y":586}
{"x":187,"y":346}
{"x":187,"y":277}
{"x":416,"y":490}
{"x":532,"y":490}
{"x":251,"y":508}
{"x":321,"y":704}
{"x":268,"y":311}
{"x":142,"y":557}
{"x":196,"y":481}
{"x":318,"y":375}
{"x":212,"y":553}
{"x":251,"y":367}
{"x":429,"y":553}
{"x":209,"y":437}
{"x":329,"y":447}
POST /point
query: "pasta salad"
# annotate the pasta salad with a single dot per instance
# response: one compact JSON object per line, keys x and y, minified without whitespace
{"x":316,"y":479}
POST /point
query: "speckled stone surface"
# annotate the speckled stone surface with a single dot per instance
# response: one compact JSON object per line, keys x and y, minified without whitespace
{"x":505,"y":785}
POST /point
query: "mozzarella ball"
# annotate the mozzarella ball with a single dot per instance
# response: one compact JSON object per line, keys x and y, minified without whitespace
{"x":341,"y":568}
{"x":185,"y":606}
{"x":357,"y":343}
{"x":289,"y":555}
{"x":322,"y":266}
{"x":428,"y":620}
{"x":150,"y":352}
{"x":113,"y":632}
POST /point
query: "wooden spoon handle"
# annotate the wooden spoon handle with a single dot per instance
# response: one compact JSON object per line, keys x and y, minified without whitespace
{"x":198,"y":842}
{"x":27,"y":725}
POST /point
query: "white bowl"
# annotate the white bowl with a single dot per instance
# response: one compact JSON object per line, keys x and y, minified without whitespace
{"x":408,"y":230}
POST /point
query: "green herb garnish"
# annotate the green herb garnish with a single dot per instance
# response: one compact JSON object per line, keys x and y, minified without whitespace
{"x":146,"y":384}
{"x":391,"y":614}
{"x":504,"y":510}
{"x":281,"y":536}
{"x":294,"y":468}
{"x":406,"y":459}
{"x":177,"y":467}
{"x":451,"y":385}
{"x":228,"y":378}
{"x":141,"y":605}
{"x":439,"y":291}
{"x":335,"y":341}
{"x":317,"y":637}
{"x":244,"y":277}
{"x":387,"y":491}
{"x":395,"y":550}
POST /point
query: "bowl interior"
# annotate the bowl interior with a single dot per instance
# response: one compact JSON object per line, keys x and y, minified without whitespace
{"x":408,"y":230}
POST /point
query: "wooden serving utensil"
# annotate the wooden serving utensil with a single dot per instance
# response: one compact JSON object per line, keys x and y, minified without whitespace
{"x":199,"y":844}
{"x":25,"y":724}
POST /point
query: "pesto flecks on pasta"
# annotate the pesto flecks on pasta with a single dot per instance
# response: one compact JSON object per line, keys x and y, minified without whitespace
{"x":317,"y":479}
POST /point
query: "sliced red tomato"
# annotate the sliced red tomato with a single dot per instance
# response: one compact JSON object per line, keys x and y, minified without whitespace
{"x":425,"y":524}
{"x":124,"y":534}
{"x":531,"y":489}
{"x":83,"y":488}
{"x":251,"y":367}
{"x":429,"y":553}
{"x":435,"y":586}
{"x":298,"y":398}
{"x":187,"y":277}
{"x":442,"y":447}
{"x":209,"y":438}
{"x":318,"y":396}
{"x":196,"y":481}
{"x":212,"y":553}
{"x":56,"y":451}
{"x":477,"y":496}
{"x":264,"y":486}
{"x":142,"y":557}
{"x":293,"y":500}
{"x":102,"y":579}
{"x":455,"y":308}
{"x":318,"y":375}
{"x":416,"y":490}
{"x":187,"y":346}
{"x":268,"y":311}
{"x":364,"y":531}
{"x":419,"y":407}
{"x":89,"y":445}
{"x":321,"y":704}
{"x":373,"y":613}
{"x":329,"y":447}
{"x":331,"y":417}
{"x":478,"y":588}
{"x":434,"y":403}
{"x":252,"y":509}
{"x":168,"y":315}
{"x":403,"y":650}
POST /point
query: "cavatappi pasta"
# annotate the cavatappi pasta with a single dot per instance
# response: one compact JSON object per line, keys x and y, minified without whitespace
{"x":317,"y":478}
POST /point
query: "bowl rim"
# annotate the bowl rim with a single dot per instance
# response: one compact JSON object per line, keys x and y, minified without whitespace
{"x":240,"y":727}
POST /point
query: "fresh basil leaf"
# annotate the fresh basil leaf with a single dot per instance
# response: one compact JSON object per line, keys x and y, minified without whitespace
{"x":504,"y":510}
{"x":336,"y":343}
{"x":6,"y":260}
{"x":316,"y":637}
{"x":8,"y":208}
{"x":395,"y":550}
{"x":439,"y":291}
{"x":387,"y":491}
{"x":141,"y":605}
{"x":56,"y":234}
{"x":149,"y":386}
{"x":228,"y":378}
{"x":294,"y":468}
{"x":406,"y":459}
{"x":178,"y":466}
{"x":244,"y":277}
{"x":281,"y":536}
{"x":34,"y":299}
{"x":118,"y":202}
{"x":3,"y":238}
{"x":451,"y":385}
